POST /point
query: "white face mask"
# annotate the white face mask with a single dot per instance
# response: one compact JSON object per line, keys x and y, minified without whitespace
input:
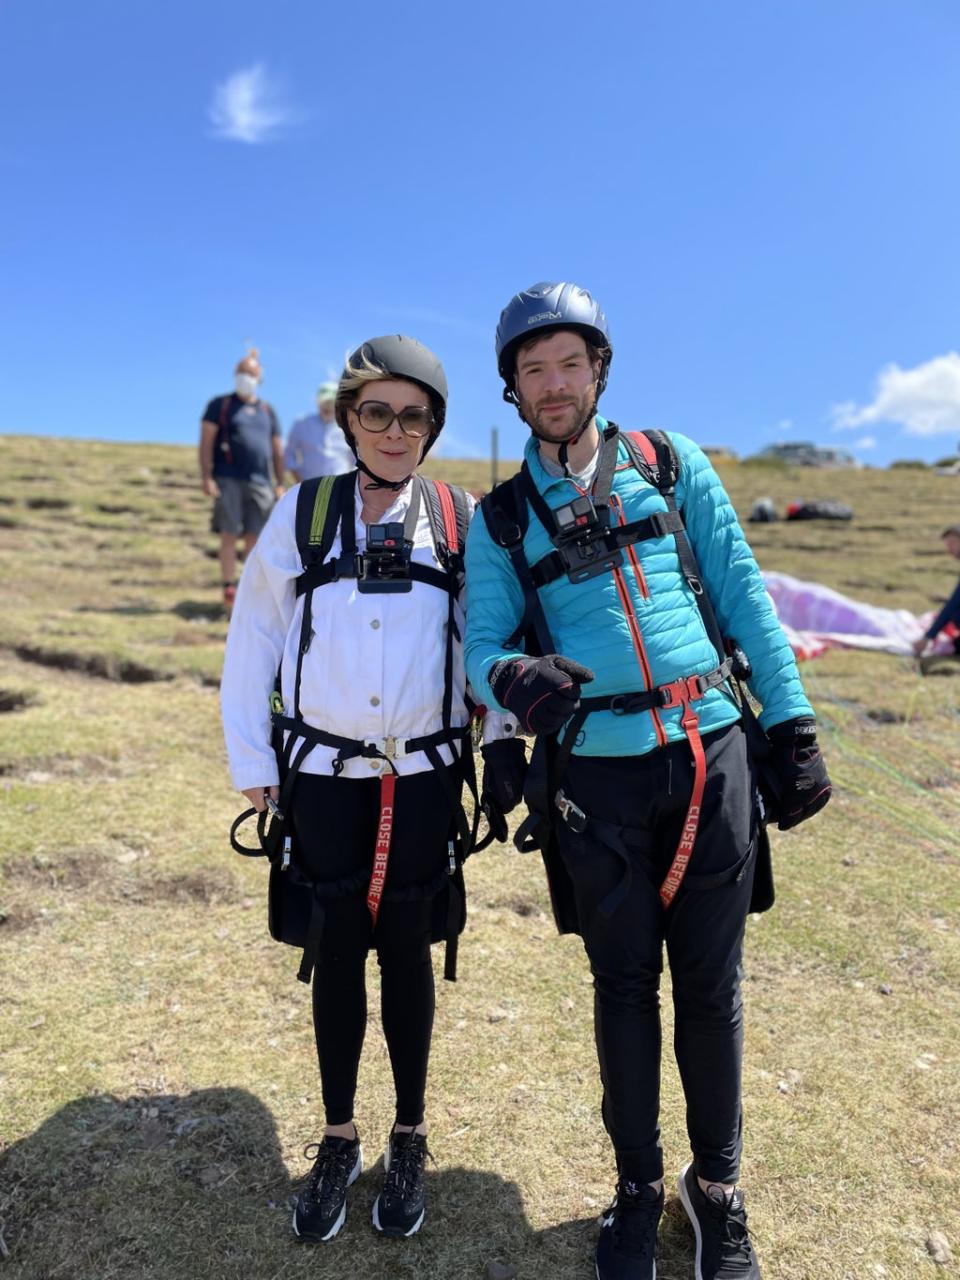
{"x":247,"y":385}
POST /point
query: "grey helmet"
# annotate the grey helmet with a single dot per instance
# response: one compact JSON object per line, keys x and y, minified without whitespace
{"x":398,"y":357}
{"x":541,"y":308}
{"x":401,"y":357}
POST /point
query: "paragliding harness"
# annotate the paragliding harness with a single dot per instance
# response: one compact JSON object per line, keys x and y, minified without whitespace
{"x":588,"y":542}
{"x":324,"y":505}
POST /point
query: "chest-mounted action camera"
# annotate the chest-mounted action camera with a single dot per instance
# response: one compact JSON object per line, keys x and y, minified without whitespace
{"x":385,"y":564}
{"x":580,"y":540}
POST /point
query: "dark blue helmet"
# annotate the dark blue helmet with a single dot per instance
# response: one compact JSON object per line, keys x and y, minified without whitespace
{"x":547,"y":306}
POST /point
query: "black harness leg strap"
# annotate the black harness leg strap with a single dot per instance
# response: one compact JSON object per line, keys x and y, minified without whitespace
{"x":311,"y":948}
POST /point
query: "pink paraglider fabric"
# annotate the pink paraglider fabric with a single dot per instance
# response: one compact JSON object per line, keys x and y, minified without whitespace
{"x":816,"y":618}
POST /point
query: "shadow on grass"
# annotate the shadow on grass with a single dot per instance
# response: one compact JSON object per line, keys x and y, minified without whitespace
{"x":194,"y":1187}
{"x":189,"y":610}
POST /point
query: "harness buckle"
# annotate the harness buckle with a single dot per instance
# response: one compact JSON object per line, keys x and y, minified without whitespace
{"x":390,"y":748}
{"x":681,"y":692}
{"x":571,"y":813}
{"x":347,"y":566}
{"x":287,"y":844}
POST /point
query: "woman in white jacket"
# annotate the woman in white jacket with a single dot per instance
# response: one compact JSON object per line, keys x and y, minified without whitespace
{"x":374,"y":715}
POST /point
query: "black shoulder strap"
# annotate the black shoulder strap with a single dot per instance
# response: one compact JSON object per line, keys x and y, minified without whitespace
{"x":225,"y":402}
{"x":653,"y":455}
{"x":222,"y":442}
{"x":505,"y":512}
{"x":600,"y":490}
{"x":320,"y":507}
{"x":323,"y":503}
{"x":507,"y":516}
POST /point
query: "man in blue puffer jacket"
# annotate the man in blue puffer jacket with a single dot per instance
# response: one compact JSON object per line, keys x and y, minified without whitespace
{"x":650,"y":809}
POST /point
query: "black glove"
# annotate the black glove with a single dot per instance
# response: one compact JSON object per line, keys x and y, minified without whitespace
{"x":795,"y":759}
{"x":541,"y":692}
{"x":504,"y":772}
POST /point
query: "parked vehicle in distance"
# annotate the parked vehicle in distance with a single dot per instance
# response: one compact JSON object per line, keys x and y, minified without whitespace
{"x":804,"y":454}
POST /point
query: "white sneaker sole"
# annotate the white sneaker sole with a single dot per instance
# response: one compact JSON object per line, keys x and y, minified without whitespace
{"x":400,"y":1234}
{"x":688,"y":1207}
{"x":342,"y":1217}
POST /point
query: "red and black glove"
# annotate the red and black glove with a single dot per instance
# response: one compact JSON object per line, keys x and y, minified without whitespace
{"x":541,"y":692}
{"x":795,"y":760}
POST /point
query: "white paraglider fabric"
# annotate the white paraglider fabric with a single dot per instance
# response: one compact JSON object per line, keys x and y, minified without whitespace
{"x":816,"y":618}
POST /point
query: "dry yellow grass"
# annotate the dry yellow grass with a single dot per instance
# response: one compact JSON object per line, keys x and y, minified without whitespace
{"x":157,"y":1078}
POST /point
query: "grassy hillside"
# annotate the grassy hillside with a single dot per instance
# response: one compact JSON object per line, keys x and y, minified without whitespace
{"x":157,"y":1073}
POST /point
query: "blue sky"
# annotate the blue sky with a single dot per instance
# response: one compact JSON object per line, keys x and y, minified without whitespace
{"x":765,"y":198}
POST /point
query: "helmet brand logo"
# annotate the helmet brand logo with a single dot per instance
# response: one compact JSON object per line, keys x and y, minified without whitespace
{"x":544,"y":315}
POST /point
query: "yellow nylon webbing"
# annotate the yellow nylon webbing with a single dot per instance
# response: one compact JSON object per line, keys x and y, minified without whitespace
{"x":320,"y":507}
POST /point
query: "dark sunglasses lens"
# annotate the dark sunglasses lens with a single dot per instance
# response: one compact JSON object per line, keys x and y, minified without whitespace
{"x":374,"y":415}
{"x":416,"y":422}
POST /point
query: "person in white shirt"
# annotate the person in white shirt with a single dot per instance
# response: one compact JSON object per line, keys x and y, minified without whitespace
{"x":317,"y":446}
{"x":374,"y":710}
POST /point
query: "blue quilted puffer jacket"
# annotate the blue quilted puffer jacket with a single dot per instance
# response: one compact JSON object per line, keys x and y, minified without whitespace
{"x":588,"y":621}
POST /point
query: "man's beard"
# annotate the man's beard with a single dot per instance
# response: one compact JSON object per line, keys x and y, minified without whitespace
{"x":547,"y":426}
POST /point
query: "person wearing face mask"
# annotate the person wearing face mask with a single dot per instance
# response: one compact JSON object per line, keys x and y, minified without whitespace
{"x":317,"y":446}
{"x":241,"y":465}
{"x":354,"y":591}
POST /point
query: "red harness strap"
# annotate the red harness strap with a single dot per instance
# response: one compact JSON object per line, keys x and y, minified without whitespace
{"x":682,"y":693}
{"x":381,"y":850}
{"x":449,"y":513}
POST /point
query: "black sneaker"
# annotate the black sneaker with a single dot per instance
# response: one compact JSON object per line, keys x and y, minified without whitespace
{"x":400,"y":1207}
{"x":628,"y":1233}
{"x":321,"y":1207}
{"x":724,"y":1251}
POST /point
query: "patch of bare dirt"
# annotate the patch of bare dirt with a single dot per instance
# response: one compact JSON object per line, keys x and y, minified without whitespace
{"x":105,"y":666}
{"x":47,"y":504}
{"x":523,"y":907}
{"x":12,"y":922}
{"x":71,"y":871}
{"x":51,"y":768}
{"x":106,"y":877}
{"x":208,"y":887}
{"x":17,"y":699}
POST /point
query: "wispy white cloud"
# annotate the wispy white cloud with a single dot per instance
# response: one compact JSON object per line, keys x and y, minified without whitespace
{"x":865,"y":442}
{"x":247,"y":107}
{"x":924,"y":400}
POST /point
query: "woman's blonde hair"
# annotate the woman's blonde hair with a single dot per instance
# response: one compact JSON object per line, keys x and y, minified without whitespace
{"x":358,"y":370}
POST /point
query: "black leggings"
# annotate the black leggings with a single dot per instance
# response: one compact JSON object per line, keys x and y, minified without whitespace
{"x":335,"y":823}
{"x":644,"y":800}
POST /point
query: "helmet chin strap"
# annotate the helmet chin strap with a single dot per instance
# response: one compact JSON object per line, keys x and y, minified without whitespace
{"x":378,"y":481}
